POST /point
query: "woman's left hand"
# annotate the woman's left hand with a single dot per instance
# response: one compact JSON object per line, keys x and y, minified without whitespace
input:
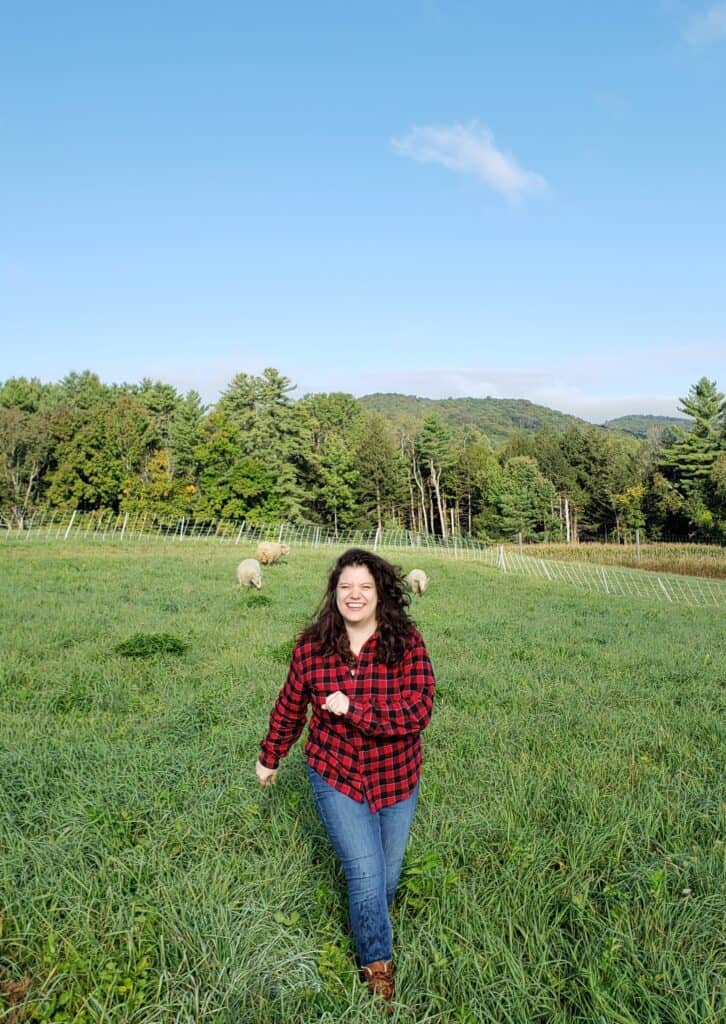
{"x":336,"y":703}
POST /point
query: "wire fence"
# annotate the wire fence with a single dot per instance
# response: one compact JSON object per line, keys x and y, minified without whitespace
{"x":613,"y":580}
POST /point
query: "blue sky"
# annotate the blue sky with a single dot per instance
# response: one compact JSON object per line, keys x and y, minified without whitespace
{"x":442,"y":198}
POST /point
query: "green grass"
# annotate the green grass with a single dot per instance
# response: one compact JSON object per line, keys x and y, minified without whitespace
{"x":567,"y":859}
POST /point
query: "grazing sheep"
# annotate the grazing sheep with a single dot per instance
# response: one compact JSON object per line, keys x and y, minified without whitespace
{"x":417,"y":581}
{"x":269,"y":551}
{"x":249,"y":573}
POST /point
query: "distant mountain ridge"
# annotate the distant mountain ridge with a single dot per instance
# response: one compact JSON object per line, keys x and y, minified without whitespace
{"x":646,"y":426}
{"x":500,"y":418}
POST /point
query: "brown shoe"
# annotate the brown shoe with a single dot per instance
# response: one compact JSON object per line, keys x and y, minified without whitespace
{"x":379,"y":976}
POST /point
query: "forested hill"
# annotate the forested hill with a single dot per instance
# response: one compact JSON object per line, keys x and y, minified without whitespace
{"x":647,"y":427}
{"x":499,"y":418}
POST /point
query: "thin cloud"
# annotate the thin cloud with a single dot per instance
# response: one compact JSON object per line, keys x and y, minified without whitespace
{"x":708,"y":27}
{"x":469,"y":149}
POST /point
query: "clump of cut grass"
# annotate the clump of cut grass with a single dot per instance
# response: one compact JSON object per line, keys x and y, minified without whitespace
{"x":149,"y":645}
{"x":256,"y":600}
{"x":282,"y":652}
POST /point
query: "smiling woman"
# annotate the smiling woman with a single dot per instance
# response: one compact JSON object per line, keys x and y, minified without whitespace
{"x":356,"y":600}
{"x":364,"y":670}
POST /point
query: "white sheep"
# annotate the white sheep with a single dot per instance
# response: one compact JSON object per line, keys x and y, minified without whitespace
{"x":249,"y":573}
{"x":269,"y":551}
{"x":417,"y":581}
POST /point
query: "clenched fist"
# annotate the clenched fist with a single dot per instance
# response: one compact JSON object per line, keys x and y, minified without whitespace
{"x":265,"y":776}
{"x":336,"y":703}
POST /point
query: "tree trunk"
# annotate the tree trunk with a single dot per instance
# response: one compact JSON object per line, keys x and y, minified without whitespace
{"x":420,"y":484}
{"x":436,"y":484}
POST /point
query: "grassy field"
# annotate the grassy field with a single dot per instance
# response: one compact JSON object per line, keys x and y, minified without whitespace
{"x":567,"y":862}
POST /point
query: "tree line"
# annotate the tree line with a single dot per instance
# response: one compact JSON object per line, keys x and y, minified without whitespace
{"x":261,"y":456}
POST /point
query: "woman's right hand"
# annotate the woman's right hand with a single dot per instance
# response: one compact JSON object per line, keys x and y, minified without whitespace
{"x":265,"y":776}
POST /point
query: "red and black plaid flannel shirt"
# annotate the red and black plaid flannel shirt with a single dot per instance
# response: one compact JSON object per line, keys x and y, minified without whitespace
{"x":373,"y":752}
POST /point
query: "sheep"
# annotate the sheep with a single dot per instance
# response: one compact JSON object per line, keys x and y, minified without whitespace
{"x":249,"y":573}
{"x":268,"y":551}
{"x":417,"y":581}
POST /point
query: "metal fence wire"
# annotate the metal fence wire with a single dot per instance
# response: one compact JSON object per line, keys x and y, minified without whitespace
{"x":613,"y":580}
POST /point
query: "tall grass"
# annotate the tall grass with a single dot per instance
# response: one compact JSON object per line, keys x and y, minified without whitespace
{"x":708,"y":560}
{"x":567,"y":859}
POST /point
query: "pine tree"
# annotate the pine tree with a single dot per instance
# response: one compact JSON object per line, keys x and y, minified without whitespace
{"x":689,"y":460}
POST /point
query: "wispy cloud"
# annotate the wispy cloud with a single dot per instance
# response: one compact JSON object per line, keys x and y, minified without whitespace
{"x":708,"y":27}
{"x":469,"y":149}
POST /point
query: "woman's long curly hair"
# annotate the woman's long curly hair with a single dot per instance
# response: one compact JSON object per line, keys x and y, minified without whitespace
{"x":394,"y":625}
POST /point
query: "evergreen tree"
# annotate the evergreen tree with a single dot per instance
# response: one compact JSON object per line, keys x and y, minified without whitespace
{"x":271,"y":432}
{"x":380,"y":490}
{"x":688,"y":459}
{"x":526,"y":500}
{"x":434,"y":454}
{"x":328,"y":468}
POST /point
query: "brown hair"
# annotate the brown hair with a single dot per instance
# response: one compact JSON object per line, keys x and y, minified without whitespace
{"x":394,"y":625}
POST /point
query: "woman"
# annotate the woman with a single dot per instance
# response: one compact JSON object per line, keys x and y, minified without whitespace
{"x":363,"y":668}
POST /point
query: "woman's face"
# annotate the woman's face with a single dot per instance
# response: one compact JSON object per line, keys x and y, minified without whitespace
{"x":356,"y":597}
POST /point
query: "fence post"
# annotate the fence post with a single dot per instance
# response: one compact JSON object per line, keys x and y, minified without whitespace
{"x":662,"y":587}
{"x":501,"y":561}
{"x":123,"y":528}
{"x":70,"y":524}
{"x":604,"y":579}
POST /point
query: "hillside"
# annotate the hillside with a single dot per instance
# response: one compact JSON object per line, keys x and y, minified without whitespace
{"x":646,"y":427}
{"x":497,"y":418}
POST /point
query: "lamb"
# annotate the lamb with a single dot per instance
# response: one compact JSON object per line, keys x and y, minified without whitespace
{"x":268,"y":551}
{"x":417,"y":581}
{"x":249,"y":573}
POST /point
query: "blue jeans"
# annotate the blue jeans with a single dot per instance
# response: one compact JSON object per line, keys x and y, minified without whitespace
{"x":370,"y":848}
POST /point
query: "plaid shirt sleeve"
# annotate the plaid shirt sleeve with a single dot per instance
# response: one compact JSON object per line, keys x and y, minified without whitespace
{"x":288,"y":715}
{"x":383,"y":712}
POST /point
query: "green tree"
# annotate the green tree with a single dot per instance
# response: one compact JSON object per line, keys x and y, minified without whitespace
{"x":83,"y":390}
{"x":232,"y":484}
{"x":271,"y":431}
{"x":526,"y":500}
{"x":688,"y":458}
{"x":328,"y":467}
{"x":473,"y":479}
{"x":717,"y":482}
{"x":380,"y":490}
{"x":99,"y":450}
{"x":434,"y":454}
{"x":629,"y":510}
{"x":185,"y":436}
{"x":25,"y":450}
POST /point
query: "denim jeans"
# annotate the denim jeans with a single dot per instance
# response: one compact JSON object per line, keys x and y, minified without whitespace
{"x":370,"y":848}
